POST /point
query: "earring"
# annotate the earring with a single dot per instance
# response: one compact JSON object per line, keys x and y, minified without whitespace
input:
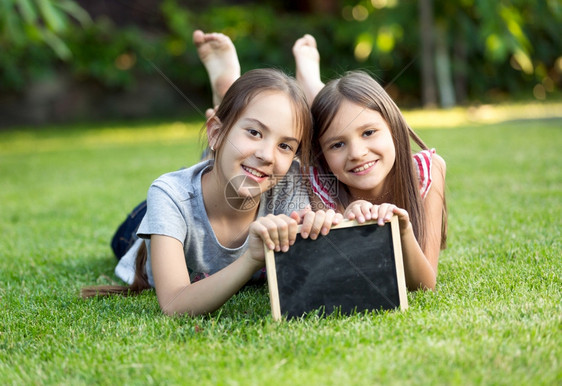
{"x":212,"y":148}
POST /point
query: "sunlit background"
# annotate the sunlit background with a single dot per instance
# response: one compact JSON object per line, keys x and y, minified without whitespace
{"x":72,"y":61}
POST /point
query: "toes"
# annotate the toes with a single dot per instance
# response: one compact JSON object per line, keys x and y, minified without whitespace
{"x":198,"y":37}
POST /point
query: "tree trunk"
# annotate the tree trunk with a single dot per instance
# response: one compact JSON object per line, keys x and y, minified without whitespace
{"x":429,"y":94}
{"x":460,"y":68}
{"x":443,"y":69}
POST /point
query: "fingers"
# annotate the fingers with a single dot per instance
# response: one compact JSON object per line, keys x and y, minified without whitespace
{"x":299,"y":215}
{"x":362,"y":211}
{"x":359,"y":210}
{"x":383,"y":213}
{"x":277,"y":232}
{"x":319,"y":223}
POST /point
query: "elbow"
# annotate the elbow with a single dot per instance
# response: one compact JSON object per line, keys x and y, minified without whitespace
{"x":172,"y":310}
{"x":171,"y":304}
{"x":427,"y":281}
{"x":425,"y":284}
{"x":430,"y":283}
{"x":169,"y":311}
{"x":423,"y":287}
{"x":430,"y":286}
{"x":166,"y":303}
{"x":181,"y":301}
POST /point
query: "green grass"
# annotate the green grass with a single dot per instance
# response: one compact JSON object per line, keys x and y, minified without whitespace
{"x":496,"y":317}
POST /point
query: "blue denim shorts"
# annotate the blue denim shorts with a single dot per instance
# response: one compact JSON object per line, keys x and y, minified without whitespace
{"x":126,"y":234}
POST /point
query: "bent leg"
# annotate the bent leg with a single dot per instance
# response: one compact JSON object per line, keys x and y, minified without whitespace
{"x":218,"y":55}
{"x":307,"y":60}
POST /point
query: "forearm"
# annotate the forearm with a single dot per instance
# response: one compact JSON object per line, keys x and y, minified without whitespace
{"x":211,"y":293}
{"x":417,"y":268}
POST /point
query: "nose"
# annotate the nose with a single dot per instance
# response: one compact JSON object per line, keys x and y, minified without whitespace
{"x":265,"y":152}
{"x":356,"y":150}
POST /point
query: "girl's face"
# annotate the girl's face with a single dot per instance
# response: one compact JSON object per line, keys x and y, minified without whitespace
{"x":260,"y":146}
{"x":359,"y":150}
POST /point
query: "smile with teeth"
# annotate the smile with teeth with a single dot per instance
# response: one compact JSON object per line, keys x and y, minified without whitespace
{"x":363,"y":167}
{"x":254,"y":172}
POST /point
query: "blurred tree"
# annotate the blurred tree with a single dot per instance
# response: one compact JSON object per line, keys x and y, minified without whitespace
{"x":24,"y":22}
{"x":426,"y":51}
{"x":497,"y":43}
{"x":427,"y":39}
{"x":27,"y":24}
{"x":466,"y":48}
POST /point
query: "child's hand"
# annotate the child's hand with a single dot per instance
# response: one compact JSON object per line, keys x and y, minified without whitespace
{"x":277,"y":232}
{"x":315,"y":223}
{"x":362,"y":211}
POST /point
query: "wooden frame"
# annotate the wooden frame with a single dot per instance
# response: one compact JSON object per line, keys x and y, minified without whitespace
{"x":356,"y":267}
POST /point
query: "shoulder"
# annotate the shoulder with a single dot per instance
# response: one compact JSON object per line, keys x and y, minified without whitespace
{"x":184,"y":183}
{"x":438,"y":172}
{"x":289,"y":193}
{"x":439,"y":163}
{"x":438,"y":166}
{"x":429,"y":166}
{"x":173,"y":200}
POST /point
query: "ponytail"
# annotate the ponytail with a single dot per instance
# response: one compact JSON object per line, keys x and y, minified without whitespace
{"x":140,"y":283}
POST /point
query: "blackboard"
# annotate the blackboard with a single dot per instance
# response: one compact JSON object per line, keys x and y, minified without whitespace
{"x":356,"y":267}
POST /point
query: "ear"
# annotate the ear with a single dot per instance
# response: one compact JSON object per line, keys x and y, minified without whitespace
{"x":214,"y":127}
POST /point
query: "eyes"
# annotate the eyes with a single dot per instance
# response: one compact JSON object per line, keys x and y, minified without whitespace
{"x":285,"y":146}
{"x":254,"y":133}
{"x":336,"y":145}
{"x":340,"y":144}
{"x":258,"y":135}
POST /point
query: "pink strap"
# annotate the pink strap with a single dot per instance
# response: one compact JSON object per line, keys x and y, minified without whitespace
{"x":319,"y":189}
{"x":423,"y":162}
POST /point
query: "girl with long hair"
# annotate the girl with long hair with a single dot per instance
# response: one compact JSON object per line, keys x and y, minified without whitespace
{"x":202,"y":237}
{"x":361,"y":138}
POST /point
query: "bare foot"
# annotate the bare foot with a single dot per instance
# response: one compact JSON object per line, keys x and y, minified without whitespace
{"x":209,"y":113}
{"x":218,"y":55}
{"x":307,"y":60}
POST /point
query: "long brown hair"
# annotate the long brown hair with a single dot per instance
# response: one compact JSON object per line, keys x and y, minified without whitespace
{"x":140,"y":282}
{"x":360,"y":88}
{"x":235,"y":101}
{"x":241,"y":93}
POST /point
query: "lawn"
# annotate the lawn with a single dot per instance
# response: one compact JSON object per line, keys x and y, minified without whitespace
{"x":495,"y":318}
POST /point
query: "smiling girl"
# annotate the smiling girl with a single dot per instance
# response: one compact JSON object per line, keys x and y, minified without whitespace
{"x":206,"y":225}
{"x":362,"y":139}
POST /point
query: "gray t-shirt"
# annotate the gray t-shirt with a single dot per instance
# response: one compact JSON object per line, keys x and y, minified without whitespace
{"x":176,"y":209}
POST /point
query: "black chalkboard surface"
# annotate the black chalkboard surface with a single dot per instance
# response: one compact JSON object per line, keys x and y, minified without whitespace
{"x":356,"y":267}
